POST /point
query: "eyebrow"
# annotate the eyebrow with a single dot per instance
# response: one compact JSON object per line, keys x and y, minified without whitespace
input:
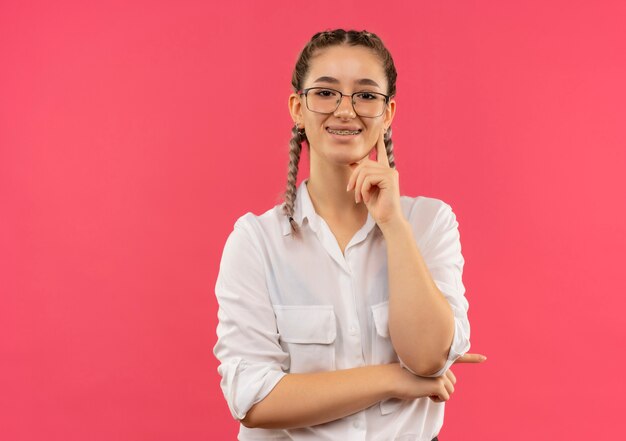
{"x":365,"y":81}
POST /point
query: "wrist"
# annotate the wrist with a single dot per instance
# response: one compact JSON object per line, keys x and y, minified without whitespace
{"x":394,"y":225}
{"x":388,"y":381}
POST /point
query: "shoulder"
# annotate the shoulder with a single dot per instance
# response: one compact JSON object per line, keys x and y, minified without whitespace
{"x":422,"y":205}
{"x":427,"y":215}
{"x":246,"y":244}
{"x":260,"y":227}
{"x":424,"y":209}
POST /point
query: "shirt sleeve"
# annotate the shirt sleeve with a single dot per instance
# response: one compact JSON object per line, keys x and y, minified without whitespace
{"x":251,"y":358}
{"x":442,"y":254}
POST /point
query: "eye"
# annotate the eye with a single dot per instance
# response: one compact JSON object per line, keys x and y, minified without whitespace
{"x":366,"y":96}
{"x":325,"y":92}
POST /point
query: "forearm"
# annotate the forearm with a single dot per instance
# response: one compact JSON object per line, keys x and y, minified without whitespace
{"x":302,"y":400}
{"x":421,"y":321}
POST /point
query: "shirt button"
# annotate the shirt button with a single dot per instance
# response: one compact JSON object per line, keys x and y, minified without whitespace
{"x":357,"y":424}
{"x":352,"y":330}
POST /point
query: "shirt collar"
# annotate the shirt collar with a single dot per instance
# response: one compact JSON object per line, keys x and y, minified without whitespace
{"x":303,"y":209}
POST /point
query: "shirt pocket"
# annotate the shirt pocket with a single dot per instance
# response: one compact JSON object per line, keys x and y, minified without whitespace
{"x":308,"y":333}
{"x":383,"y":351}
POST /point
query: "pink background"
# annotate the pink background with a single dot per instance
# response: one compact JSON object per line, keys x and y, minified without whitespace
{"x":132,"y":135}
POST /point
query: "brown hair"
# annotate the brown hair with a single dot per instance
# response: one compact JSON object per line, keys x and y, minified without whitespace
{"x":319,"y":41}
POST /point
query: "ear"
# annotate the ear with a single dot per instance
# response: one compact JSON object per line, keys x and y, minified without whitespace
{"x":295,"y":107}
{"x":390,"y":111}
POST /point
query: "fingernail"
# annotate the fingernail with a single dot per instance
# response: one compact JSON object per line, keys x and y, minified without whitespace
{"x":483,"y":358}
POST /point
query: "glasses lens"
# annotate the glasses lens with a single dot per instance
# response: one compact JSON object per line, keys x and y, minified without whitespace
{"x":368,"y":104}
{"x":322,"y":100}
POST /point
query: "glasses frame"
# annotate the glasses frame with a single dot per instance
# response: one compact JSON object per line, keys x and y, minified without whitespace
{"x":305,"y":92}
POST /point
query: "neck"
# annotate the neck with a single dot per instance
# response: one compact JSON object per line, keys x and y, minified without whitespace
{"x":327,"y":189}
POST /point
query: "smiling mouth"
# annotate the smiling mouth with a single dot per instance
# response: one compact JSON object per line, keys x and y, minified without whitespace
{"x":343,"y":132}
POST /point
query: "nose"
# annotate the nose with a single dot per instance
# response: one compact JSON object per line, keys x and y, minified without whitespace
{"x":345,"y":109}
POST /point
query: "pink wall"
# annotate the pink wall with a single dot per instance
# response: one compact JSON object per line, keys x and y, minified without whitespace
{"x":133,"y":135}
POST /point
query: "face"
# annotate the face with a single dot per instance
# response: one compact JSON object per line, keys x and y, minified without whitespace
{"x":349,"y":66}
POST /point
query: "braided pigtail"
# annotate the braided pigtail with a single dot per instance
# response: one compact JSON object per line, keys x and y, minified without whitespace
{"x":295,"y":148}
{"x":389,"y":148}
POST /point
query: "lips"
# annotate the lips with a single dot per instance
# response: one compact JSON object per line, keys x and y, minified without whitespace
{"x":343,"y":128}
{"x":339,"y":133}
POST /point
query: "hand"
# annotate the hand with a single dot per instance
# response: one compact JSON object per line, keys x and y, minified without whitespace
{"x":444,"y":388}
{"x":465,"y":358}
{"x":377,"y":185}
{"x":408,"y":386}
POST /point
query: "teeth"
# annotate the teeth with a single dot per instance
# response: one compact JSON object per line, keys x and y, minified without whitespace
{"x":344,"y":132}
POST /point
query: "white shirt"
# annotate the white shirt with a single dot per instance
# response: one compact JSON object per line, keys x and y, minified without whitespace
{"x":289,"y":305}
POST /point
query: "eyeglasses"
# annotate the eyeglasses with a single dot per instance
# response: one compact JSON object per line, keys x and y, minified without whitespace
{"x":325,"y":100}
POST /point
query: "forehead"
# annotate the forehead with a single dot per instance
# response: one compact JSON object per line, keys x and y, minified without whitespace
{"x":347,"y":64}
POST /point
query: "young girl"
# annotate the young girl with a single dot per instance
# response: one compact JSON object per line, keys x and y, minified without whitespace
{"x":342,"y":309}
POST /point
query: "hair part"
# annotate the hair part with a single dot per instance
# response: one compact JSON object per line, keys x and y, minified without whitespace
{"x":320,"y":41}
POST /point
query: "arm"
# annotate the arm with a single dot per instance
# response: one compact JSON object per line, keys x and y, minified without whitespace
{"x":302,"y":400}
{"x":428,"y":327}
{"x":251,"y":360}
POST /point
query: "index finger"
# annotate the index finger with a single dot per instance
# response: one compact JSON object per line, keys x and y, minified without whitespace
{"x":381,"y":152}
{"x":471,"y":358}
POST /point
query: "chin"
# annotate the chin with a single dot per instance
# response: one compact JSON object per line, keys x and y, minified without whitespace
{"x":347,"y":159}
